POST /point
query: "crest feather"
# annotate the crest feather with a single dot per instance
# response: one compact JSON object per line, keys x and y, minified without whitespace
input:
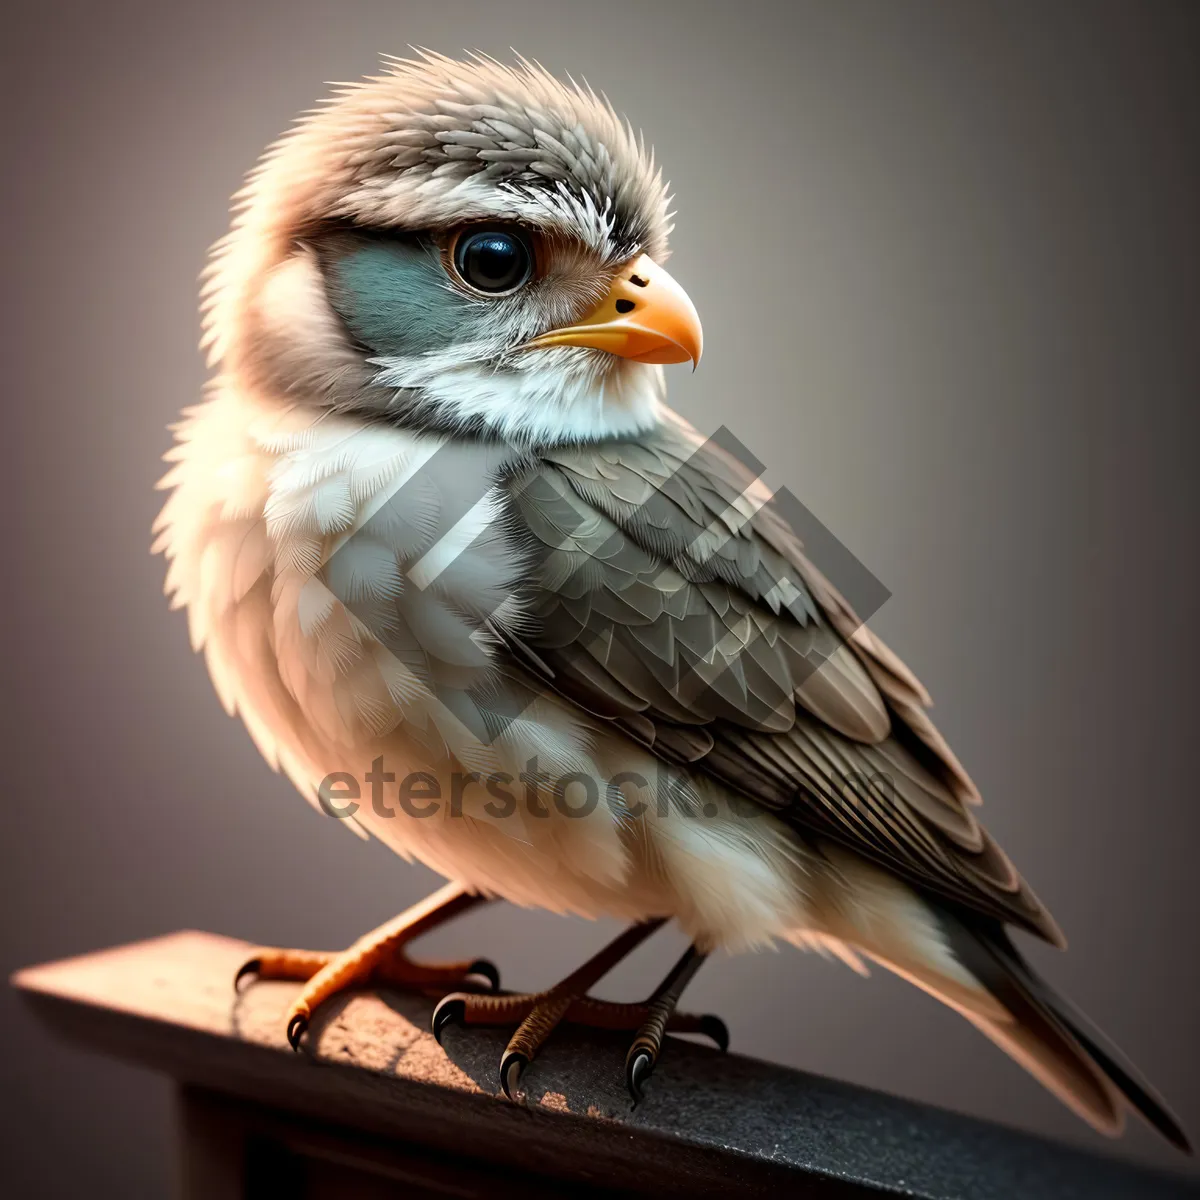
{"x":433,"y":141}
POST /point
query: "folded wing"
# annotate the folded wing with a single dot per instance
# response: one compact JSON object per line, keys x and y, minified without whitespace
{"x":672,"y":601}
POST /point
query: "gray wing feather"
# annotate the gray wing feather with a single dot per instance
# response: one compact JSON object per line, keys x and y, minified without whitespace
{"x":664,"y":603}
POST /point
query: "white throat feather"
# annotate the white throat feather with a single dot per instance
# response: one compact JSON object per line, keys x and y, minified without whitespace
{"x":565,"y":396}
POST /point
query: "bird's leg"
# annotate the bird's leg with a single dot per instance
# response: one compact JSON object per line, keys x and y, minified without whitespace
{"x":647,"y":1045}
{"x":536,"y":1014}
{"x":377,"y":957}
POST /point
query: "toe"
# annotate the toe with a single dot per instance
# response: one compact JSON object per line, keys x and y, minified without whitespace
{"x":638,"y":1068}
{"x":716,"y":1030}
{"x":250,"y":967}
{"x":512,"y":1065}
{"x":452,"y":1010}
{"x":296,"y":1028}
{"x":486,"y":969}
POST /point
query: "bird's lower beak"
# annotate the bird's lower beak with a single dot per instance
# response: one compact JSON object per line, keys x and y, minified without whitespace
{"x":646,"y":316}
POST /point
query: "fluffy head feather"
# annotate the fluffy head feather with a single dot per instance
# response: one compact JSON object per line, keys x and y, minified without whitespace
{"x":420,"y":150}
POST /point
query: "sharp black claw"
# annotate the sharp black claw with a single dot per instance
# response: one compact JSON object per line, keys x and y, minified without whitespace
{"x":297,"y":1027}
{"x":251,"y":967}
{"x":451,"y":1010}
{"x":716,"y":1029}
{"x":511,"y":1066}
{"x":488,"y":970}
{"x":637,"y":1070}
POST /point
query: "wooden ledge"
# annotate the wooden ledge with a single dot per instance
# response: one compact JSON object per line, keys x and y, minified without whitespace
{"x":711,"y":1125}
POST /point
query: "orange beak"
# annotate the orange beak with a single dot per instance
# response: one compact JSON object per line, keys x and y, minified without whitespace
{"x":646,"y":316}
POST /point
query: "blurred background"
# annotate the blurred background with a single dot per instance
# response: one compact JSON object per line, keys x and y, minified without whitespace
{"x":948,"y":261}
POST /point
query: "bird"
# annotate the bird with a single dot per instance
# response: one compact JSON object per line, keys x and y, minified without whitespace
{"x":481,"y":594}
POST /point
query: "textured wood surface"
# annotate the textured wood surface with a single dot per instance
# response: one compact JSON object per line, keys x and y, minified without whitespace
{"x":711,"y":1124}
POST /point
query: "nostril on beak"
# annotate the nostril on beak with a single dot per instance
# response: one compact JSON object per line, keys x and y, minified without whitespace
{"x":624,"y":306}
{"x":638,"y":281}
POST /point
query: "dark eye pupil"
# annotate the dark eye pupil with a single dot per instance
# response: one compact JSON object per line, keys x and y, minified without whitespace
{"x":493,"y":260}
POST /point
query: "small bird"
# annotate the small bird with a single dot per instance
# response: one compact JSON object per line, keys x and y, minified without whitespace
{"x":482,"y":595}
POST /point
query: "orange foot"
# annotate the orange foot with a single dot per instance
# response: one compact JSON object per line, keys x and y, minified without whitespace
{"x":535,"y":1015}
{"x":377,"y":958}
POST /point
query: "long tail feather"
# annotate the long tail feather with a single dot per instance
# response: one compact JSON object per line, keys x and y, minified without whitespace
{"x":1053,"y":1040}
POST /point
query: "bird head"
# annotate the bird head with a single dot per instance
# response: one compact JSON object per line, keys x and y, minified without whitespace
{"x":462,"y":247}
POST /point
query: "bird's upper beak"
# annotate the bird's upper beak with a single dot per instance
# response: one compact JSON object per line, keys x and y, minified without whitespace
{"x":646,"y":316}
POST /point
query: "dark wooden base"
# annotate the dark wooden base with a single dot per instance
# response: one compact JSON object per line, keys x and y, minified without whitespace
{"x":374,"y":1107}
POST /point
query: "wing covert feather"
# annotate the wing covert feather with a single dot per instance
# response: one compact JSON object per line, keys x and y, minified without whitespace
{"x":673,"y":601}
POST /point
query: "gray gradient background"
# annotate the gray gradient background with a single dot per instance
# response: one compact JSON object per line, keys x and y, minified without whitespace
{"x":947,"y":259}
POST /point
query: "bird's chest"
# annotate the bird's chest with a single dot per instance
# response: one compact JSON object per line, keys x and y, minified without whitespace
{"x":342,"y":579}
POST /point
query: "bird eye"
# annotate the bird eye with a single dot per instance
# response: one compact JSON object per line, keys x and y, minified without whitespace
{"x":493,"y":260}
